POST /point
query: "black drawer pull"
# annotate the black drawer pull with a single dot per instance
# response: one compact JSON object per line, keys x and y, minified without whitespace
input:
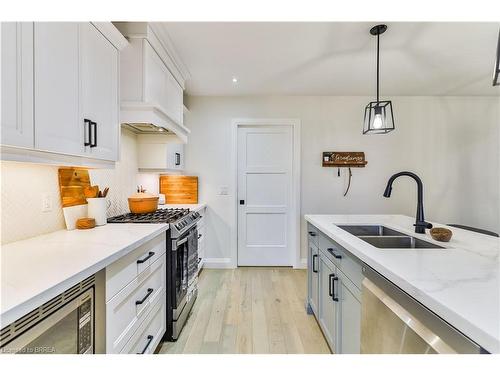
{"x":150,"y":339}
{"x":330,"y":286}
{"x":334,"y":296}
{"x":337,"y":256}
{"x":150,"y":290}
{"x":312,"y":234}
{"x":150,"y":254}
{"x":93,"y":143}
{"x":313,"y":263}
{"x":199,"y":236}
{"x":86,"y":132}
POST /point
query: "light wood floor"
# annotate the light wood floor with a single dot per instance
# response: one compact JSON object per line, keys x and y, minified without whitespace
{"x":250,"y":310}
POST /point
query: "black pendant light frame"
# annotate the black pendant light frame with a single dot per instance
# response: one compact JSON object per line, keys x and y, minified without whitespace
{"x":378,"y":107}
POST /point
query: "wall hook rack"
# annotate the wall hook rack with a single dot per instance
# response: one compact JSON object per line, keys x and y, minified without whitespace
{"x":344,"y":160}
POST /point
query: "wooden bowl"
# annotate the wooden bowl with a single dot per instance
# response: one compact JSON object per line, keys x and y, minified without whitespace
{"x":441,"y":234}
{"x":142,"y":203}
{"x":85,"y":223}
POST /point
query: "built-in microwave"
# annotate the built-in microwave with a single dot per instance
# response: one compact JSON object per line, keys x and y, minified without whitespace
{"x":70,"y":323}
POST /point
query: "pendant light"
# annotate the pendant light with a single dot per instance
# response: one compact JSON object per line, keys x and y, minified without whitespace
{"x":379,"y":118}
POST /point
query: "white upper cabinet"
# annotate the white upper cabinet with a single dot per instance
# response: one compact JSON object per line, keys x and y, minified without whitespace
{"x":160,"y":152}
{"x":17,"y":84}
{"x":73,"y":88}
{"x":99,"y":92}
{"x":58,"y":127}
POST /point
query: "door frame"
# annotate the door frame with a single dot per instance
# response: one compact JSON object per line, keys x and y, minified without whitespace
{"x":295,"y":199}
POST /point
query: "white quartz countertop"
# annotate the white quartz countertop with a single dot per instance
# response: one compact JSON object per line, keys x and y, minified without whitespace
{"x":35,"y":270}
{"x":192,"y":207}
{"x":461,"y":283}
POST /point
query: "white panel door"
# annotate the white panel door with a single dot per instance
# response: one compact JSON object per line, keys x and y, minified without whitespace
{"x":57,"y":113}
{"x":17,"y":84}
{"x":99,"y":84}
{"x":264,"y":195}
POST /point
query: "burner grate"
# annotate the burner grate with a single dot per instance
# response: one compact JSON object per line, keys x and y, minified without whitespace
{"x":162,"y":215}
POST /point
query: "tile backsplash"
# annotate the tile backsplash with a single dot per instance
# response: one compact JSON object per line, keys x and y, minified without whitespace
{"x":23,"y":186}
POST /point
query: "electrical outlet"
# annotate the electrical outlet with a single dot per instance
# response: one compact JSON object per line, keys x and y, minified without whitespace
{"x":46,"y":202}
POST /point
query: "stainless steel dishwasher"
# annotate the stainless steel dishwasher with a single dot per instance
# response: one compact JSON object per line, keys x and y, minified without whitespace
{"x":392,"y":322}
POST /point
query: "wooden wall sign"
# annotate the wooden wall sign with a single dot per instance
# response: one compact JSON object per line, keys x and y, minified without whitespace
{"x":344,"y":159}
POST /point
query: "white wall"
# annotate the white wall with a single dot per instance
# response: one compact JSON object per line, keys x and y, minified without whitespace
{"x":452,"y":143}
{"x":23,"y":184}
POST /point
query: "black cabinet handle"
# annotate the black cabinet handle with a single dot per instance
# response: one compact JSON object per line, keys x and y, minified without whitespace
{"x":150,"y":339}
{"x":312,"y":234}
{"x":330,"y":286}
{"x":199,"y":236}
{"x":86,"y":132}
{"x":313,"y":263}
{"x":177,"y":158}
{"x":93,"y":143}
{"x":337,"y":256}
{"x":151,"y":253}
{"x":150,"y":290}
{"x":334,"y":296}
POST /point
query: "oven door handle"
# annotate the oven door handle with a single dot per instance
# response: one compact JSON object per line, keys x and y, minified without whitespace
{"x":181,"y":241}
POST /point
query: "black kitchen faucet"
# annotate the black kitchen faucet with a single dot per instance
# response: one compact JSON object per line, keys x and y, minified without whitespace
{"x":420,"y":224}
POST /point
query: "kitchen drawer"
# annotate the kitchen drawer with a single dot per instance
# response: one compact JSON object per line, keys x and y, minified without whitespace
{"x":123,"y":312}
{"x":125,"y":269}
{"x":342,"y":258}
{"x":312,"y":234}
{"x":150,"y":332}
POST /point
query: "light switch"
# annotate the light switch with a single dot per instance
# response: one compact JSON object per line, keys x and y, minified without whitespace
{"x":46,"y":202}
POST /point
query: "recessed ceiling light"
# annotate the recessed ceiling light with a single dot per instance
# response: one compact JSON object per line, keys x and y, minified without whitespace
{"x":235,"y":80}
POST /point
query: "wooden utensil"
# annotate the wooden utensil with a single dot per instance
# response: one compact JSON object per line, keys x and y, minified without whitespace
{"x":105,"y":192}
{"x":91,"y":191}
{"x":85,"y":223}
{"x":179,"y":189}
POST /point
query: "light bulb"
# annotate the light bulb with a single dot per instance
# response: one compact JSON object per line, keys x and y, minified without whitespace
{"x":377,"y":121}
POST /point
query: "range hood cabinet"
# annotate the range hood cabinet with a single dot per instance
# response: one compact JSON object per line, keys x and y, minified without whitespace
{"x":151,"y":85}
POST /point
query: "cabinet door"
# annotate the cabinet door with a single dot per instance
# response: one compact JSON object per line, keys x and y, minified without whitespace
{"x":58,"y":126}
{"x":328,"y":301}
{"x":99,"y":92}
{"x":313,"y":278}
{"x":350,"y":302}
{"x":17,"y":84}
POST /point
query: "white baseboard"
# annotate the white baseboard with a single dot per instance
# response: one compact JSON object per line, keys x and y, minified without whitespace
{"x":217,"y":263}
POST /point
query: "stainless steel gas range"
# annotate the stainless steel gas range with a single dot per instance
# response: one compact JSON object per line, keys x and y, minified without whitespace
{"x":182,"y":261}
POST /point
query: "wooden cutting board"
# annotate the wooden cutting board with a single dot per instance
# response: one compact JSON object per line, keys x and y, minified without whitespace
{"x":179,"y":189}
{"x":72,"y":183}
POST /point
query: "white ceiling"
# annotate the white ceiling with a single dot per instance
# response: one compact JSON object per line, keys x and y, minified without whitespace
{"x":336,"y":58}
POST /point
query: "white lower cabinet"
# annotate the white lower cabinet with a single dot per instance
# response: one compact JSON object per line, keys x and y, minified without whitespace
{"x":328,"y":315}
{"x":132,"y":304}
{"x":334,"y":297}
{"x":150,"y":332}
{"x":313,"y":278}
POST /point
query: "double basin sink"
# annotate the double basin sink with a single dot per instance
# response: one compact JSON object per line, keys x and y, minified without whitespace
{"x":387,"y":238}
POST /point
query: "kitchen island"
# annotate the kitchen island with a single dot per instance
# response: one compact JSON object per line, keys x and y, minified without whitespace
{"x":458,"y":282}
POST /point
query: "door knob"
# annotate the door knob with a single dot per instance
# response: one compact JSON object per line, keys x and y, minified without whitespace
{"x":242,"y":201}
